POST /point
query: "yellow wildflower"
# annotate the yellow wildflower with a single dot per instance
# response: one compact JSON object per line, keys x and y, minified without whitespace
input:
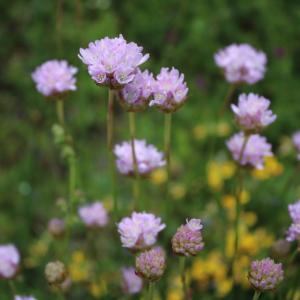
{"x":158,"y":176}
{"x":79,"y":267}
{"x":98,"y":289}
{"x":224,"y":287}
{"x":223,"y":129}
{"x":272,"y":167}
{"x":200,"y":132}
{"x":178,"y":191}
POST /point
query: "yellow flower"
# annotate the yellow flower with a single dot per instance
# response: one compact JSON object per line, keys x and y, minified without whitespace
{"x":108,"y":203}
{"x":175,"y":289}
{"x":223,"y":129}
{"x":228,"y":169}
{"x":272,"y":167}
{"x":240,"y":270}
{"x":199,"y":132}
{"x":178,"y":191}
{"x":250,"y":218}
{"x":158,"y":176}
{"x":224,"y":287}
{"x":214,"y":176}
{"x":98,"y":289}
{"x":79,"y":267}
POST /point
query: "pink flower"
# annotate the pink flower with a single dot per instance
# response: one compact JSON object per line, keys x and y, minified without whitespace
{"x":140,"y":230}
{"x":56,"y":227}
{"x":296,"y":142}
{"x":170,"y":90}
{"x":147,"y":156}
{"x":131,"y":283}
{"x":18,"y":297}
{"x":112,"y":62}
{"x":54,"y":77}
{"x":256,"y":149}
{"x":294,"y":211}
{"x":252,"y":113}
{"x":135,"y":95}
{"x":293,"y":232}
{"x":188,"y":238}
{"x":241,"y":63}
{"x":9,"y":261}
{"x":93,"y":215}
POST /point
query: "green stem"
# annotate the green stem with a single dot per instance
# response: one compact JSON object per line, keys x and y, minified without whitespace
{"x":60,"y":112}
{"x":227,"y":99}
{"x":256,"y":295}
{"x":293,"y":256}
{"x":12,"y":288}
{"x":136,"y":182}
{"x":110,"y":132}
{"x":182,"y":261}
{"x":167,"y":148}
{"x":150,"y":291}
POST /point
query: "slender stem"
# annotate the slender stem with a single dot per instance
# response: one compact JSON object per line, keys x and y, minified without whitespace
{"x":150,"y":291}
{"x":167,"y":148}
{"x":12,"y":287}
{"x":182,"y":261}
{"x":256,"y":295}
{"x":60,"y":111}
{"x":58,"y":25}
{"x":227,"y":99}
{"x":136,"y":182}
{"x":110,"y":132}
{"x":293,"y":256}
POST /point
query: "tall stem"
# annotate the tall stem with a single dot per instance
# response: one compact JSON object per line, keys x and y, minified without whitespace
{"x":183,"y":278}
{"x":167,"y":148}
{"x":256,"y":295}
{"x":110,"y":132}
{"x":150,"y":291}
{"x":60,"y":111}
{"x":136,"y":182}
{"x":12,"y":288}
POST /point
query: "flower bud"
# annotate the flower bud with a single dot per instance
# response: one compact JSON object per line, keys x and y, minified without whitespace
{"x":55,"y":272}
{"x":56,"y":227}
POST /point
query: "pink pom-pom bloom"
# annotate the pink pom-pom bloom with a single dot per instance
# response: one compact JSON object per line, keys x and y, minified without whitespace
{"x":93,"y":215}
{"x":252,"y":113}
{"x":256,"y":149}
{"x":188,"y":240}
{"x":131,"y":283}
{"x":140,"y":230}
{"x":293,"y":232}
{"x":296,"y":142}
{"x":265,"y":274}
{"x":241,"y":63}
{"x":147,"y":156}
{"x":170,"y":90}
{"x":9,"y":261}
{"x":135,"y":96}
{"x":151,"y":264}
{"x":54,"y":78}
{"x":18,"y":297}
{"x":112,"y":62}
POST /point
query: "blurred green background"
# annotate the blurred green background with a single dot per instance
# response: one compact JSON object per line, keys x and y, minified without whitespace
{"x":184,"y":34}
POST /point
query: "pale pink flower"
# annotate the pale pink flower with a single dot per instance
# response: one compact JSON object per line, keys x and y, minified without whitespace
{"x":18,"y":297}
{"x":296,"y":142}
{"x":9,"y":261}
{"x":293,"y":232}
{"x":131,"y":283}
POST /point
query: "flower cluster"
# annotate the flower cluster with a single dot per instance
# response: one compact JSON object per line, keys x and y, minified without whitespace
{"x":18,"y":297}
{"x":296,"y":142}
{"x":9,"y":261}
{"x":147,"y":156}
{"x":93,"y":215}
{"x":265,"y":274}
{"x":112,"y":62}
{"x":131,"y":283}
{"x":54,"y":78}
{"x":140,"y":230}
{"x":294,"y":229}
{"x":250,"y":152}
{"x":252,"y":112}
{"x":188,"y":238}
{"x":170,"y":90}
{"x":241,"y":63}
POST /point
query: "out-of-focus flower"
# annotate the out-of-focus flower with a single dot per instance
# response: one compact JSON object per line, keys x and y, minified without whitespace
{"x":135,"y":96}
{"x":151,"y":264}
{"x":223,"y":129}
{"x":188,"y":238}
{"x":200,"y":132}
{"x":256,"y":149}
{"x":79,"y":267}
{"x":293,"y":232}
{"x":93,"y":215}
{"x":98,"y":288}
{"x":147,"y":156}
{"x":54,"y":78}
{"x":272,"y":167}
{"x":131,"y":283}
{"x":175,"y":289}
{"x":296,"y":142}
{"x":265,"y":274}
{"x":252,"y":113}
{"x":55,"y":272}
{"x":241,"y":63}
{"x":112,"y":62}
{"x":56,"y":227}
{"x":281,"y":249}
{"x":140,"y":230}
{"x":18,"y":297}
{"x":158,"y":176}
{"x":9,"y":261}
{"x":170,"y":90}
{"x":177,"y":191}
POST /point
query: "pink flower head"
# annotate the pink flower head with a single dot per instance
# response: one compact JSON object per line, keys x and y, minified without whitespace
{"x":296,"y":142}
{"x":293,"y":232}
{"x":54,"y":78}
{"x":256,"y":149}
{"x":151,"y":264}
{"x":188,"y":240}
{"x":140,"y":230}
{"x":131,"y":283}
{"x":135,"y":95}
{"x":241,"y":63}
{"x":294,"y":211}
{"x":56,"y":227}
{"x":112,"y":62}
{"x":147,"y":156}
{"x":93,"y":215}
{"x":265,"y":274}
{"x":170,"y":90}
{"x":18,"y":297}
{"x":252,"y":113}
{"x":9,"y":261}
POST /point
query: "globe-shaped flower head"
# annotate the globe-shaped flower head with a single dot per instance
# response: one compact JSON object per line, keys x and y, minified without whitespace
{"x":9,"y":261}
{"x":296,"y":142}
{"x":140,"y":230}
{"x":93,"y":215}
{"x":170,"y":90}
{"x":147,"y":156}
{"x":18,"y":297}
{"x":151,"y":264}
{"x":135,"y":95}
{"x":188,"y":240}
{"x":112,"y":62}
{"x":265,"y":274}
{"x":252,"y":113}
{"x":54,"y":78}
{"x":293,"y":233}
{"x":254,"y":152}
{"x":131,"y":283}
{"x":241,"y":63}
